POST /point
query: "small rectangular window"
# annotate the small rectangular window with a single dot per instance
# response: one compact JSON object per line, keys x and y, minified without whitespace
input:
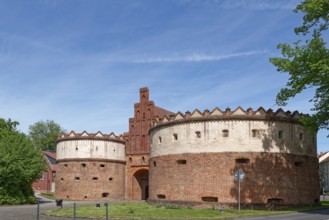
{"x":301,"y":136}
{"x":95,"y":178}
{"x":105,"y":194}
{"x":242,"y":160}
{"x":154,"y":163}
{"x":225,"y":133}
{"x":209,"y":199}
{"x":280,"y":134}
{"x":298,"y":164}
{"x":181,"y":161}
{"x":83,"y":165}
{"x":274,"y":200}
{"x":159,"y":140}
{"x":102,"y":165}
{"x":175,"y":137}
{"x":254,"y":133}
{"x":198,"y":134}
{"x":161,"y":196}
{"x":77,"y":178}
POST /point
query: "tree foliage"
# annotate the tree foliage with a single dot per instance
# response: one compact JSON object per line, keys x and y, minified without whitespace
{"x":307,"y":61}
{"x":44,"y":134}
{"x":20,"y":165}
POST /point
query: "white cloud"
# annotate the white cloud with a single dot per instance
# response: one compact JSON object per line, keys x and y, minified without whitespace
{"x":196,"y":57}
{"x":260,"y":4}
{"x":246,"y":4}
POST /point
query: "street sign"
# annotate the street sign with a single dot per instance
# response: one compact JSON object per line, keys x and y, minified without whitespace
{"x":239,"y":174}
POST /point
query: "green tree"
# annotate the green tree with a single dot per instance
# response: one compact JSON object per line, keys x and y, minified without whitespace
{"x":44,"y":134}
{"x":20,"y":165}
{"x":307,"y":62}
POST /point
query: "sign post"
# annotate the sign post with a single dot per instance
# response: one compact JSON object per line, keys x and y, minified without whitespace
{"x":239,"y":175}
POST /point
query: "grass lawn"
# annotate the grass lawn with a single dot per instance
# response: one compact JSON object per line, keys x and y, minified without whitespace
{"x":48,"y":195}
{"x":139,"y":210}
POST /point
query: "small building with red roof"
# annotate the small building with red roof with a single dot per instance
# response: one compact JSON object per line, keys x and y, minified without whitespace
{"x":46,"y":182}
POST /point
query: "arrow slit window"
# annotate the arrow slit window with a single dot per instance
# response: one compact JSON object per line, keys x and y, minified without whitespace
{"x":242,"y":160}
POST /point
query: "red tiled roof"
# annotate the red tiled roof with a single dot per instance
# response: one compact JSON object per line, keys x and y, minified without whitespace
{"x":160,"y":112}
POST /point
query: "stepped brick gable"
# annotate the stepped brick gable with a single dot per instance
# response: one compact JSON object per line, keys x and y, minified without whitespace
{"x":138,"y":145}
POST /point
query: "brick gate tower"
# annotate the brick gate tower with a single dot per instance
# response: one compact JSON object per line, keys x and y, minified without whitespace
{"x":138,"y":145}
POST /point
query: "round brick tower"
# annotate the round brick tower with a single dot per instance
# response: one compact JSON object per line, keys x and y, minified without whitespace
{"x":90,"y":166}
{"x":194,"y":157}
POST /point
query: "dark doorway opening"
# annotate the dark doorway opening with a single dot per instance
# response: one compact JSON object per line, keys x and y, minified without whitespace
{"x":141,"y":184}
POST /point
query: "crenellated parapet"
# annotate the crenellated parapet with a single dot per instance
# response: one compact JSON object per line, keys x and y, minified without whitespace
{"x":237,"y":114}
{"x":231,"y":131}
{"x":90,"y":145}
{"x":90,"y":136}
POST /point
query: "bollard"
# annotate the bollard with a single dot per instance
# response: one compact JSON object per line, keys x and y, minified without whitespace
{"x":107,"y":210}
{"x":59,"y":202}
{"x":98,"y":205}
{"x":74,"y":211}
{"x":38,"y":210}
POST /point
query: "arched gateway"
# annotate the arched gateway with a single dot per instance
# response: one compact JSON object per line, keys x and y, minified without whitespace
{"x":140,"y":184}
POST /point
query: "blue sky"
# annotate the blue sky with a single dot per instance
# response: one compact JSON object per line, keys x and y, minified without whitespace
{"x":81,"y":63}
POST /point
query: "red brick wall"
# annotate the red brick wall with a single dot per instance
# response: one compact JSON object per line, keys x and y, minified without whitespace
{"x":139,"y":126}
{"x":109,"y":184}
{"x":138,"y":141}
{"x":290,"y":179}
{"x":135,"y":163}
{"x":45,"y":184}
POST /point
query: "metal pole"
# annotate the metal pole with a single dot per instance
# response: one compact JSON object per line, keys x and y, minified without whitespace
{"x":74,"y":211}
{"x":38,"y":210}
{"x":107,"y":211}
{"x":239,"y":180}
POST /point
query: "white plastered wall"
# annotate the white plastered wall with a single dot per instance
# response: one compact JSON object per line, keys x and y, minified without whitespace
{"x":96,"y":149}
{"x":240,"y":138}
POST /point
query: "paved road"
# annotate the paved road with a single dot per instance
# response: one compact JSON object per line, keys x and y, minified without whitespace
{"x":313,"y":215}
{"x":29,"y":212}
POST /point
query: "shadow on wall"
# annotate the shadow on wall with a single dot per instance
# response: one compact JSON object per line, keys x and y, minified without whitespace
{"x":280,"y":178}
{"x":287,"y":137}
